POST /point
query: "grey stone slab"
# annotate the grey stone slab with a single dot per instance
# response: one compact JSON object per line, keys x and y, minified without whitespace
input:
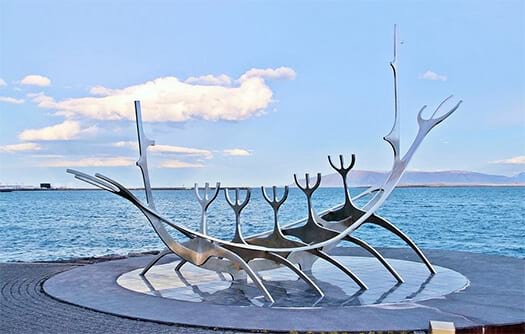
{"x":495,"y":296}
{"x":26,"y":309}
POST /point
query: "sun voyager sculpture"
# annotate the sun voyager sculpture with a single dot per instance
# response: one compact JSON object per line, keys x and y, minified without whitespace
{"x":295,"y":246}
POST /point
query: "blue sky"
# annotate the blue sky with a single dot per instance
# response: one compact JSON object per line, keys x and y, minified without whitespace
{"x":251,"y":92}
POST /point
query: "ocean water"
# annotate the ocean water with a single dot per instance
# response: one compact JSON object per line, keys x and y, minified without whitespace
{"x":50,"y":225}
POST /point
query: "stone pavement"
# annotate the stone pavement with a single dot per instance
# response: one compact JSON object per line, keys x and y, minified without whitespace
{"x":25,"y":308}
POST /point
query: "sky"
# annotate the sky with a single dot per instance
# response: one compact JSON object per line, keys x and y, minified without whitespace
{"x":250,"y":92}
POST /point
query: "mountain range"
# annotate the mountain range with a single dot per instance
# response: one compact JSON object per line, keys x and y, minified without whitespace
{"x":359,"y":178}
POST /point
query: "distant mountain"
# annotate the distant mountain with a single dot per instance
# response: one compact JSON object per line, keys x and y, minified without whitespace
{"x":519,"y":177}
{"x":359,"y":178}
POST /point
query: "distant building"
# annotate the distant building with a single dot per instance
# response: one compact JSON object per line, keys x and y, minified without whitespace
{"x":45,"y":185}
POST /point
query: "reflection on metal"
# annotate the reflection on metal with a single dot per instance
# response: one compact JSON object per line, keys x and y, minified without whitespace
{"x":249,"y":255}
{"x":195,"y":284}
{"x":314,"y":235}
{"x":205,"y":202}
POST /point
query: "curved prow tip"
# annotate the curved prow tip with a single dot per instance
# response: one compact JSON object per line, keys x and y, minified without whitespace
{"x":71,"y":171}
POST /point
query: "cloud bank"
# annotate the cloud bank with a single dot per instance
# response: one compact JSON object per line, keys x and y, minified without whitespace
{"x":92,"y":162}
{"x":517,"y":160}
{"x":12,"y":100}
{"x":168,"y":149}
{"x":64,"y":131}
{"x":22,"y":147}
{"x":169,"y":99}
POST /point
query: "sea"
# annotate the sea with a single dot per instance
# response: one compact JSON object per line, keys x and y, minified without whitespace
{"x":59,"y":225}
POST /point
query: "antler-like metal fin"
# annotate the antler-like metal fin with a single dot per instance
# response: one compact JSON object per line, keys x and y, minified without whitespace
{"x":275,"y":204}
{"x":237,"y":207}
{"x":343,"y":172}
{"x":205,"y":202}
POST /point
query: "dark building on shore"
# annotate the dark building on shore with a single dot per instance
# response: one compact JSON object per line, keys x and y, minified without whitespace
{"x":45,"y":185}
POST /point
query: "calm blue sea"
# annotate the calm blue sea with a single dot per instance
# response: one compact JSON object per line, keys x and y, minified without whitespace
{"x":52,"y":225}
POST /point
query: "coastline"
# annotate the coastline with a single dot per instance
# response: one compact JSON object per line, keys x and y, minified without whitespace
{"x":440,"y":185}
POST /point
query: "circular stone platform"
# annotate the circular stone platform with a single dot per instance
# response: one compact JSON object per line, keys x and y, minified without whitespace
{"x":194,"y":284}
{"x":468,"y":289}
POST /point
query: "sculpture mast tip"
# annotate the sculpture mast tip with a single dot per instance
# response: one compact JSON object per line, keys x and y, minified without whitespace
{"x":393,"y":137}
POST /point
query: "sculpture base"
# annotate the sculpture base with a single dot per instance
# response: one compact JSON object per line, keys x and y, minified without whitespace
{"x":193,"y":284}
{"x":475,"y":289}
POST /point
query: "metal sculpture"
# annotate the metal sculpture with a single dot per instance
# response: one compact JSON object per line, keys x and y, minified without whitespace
{"x":318,"y":232}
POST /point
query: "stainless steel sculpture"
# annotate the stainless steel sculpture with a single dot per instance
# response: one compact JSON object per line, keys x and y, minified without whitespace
{"x":318,"y":232}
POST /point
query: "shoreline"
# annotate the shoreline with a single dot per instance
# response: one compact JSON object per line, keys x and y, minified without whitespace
{"x":110,"y":257}
{"x":453,"y":185}
{"x":89,"y":259}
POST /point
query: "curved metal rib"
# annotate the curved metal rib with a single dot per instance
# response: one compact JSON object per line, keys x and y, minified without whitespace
{"x":282,"y":260}
{"x":179,"y":265}
{"x":341,"y":267}
{"x":377,"y":255}
{"x":244,"y":265}
{"x":390,"y":227}
{"x":156,"y":259}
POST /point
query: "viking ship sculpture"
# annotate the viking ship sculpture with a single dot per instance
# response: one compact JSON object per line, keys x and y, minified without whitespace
{"x":295,"y":246}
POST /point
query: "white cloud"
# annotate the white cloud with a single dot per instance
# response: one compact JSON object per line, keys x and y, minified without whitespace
{"x":63,"y":131}
{"x":128,"y":144}
{"x":179,"y":164}
{"x":169,"y":99}
{"x":22,"y":147}
{"x":47,"y":156}
{"x":430,"y":75}
{"x":7,"y":99}
{"x":35,"y":80}
{"x":517,"y":160}
{"x":181,"y":150}
{"x":269,"y":73}
{"x":100,"y":91}
{"x":237,"y":152}
{"x":92,"y":162}
{"x":2,"y":82}
{"x":39,"y":98}
{"x":219,"y":80}
{"x":168,"y":149}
